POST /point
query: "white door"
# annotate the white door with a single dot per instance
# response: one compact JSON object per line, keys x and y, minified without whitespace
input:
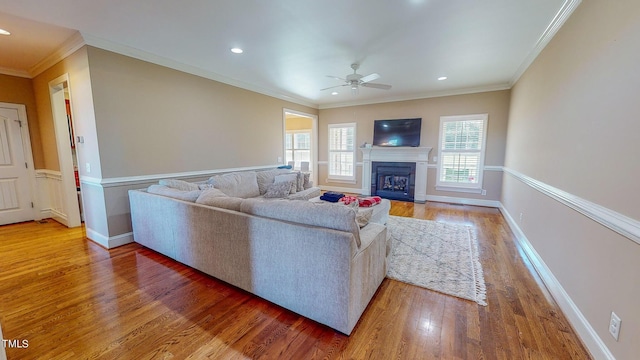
{"x":15,"y":192}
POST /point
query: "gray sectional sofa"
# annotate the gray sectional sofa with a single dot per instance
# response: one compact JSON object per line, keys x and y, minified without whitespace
{"x":309,"y":257}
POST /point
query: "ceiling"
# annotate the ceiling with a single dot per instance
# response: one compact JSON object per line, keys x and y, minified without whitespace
{"x":290,"y":46}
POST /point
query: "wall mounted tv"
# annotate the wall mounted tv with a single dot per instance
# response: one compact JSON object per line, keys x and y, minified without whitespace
{"x":397,"y":132}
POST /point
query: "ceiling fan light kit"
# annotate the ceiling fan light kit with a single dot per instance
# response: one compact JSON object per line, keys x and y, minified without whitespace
{"x":355,"y":80}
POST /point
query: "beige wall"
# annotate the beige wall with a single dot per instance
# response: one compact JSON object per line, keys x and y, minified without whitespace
{"x":19,"y":90}
{"x":495,"y":103}
{"x":76,"y":67}
{"x":152,"y":120}
{"x":155,"y":120}
{"x":574,"y":125}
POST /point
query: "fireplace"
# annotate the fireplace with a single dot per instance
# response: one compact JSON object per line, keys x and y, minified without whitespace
{"x":393,"y":180}
{"x":418,"y":157}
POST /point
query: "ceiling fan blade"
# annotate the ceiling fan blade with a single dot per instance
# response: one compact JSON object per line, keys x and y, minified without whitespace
{"x":331,"y":87}
{"x":377,"y":86}
{"x":336,"y":77}
{"x":369,"y":77}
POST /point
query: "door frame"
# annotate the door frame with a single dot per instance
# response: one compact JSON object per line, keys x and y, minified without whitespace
{"x":69,"y":194}
{"x":314,"y":138}
{"x":28,"y":156}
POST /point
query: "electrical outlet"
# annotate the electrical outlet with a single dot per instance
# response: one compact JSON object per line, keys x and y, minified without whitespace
{"x":614,"y":325}
{"x":88,"y":167}
{"x":521,"y":215}
{"x":279,"y":160}
{"x":484,"y":192}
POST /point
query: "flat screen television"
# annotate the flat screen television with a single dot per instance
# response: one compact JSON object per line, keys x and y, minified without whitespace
{"x":397,"y":132}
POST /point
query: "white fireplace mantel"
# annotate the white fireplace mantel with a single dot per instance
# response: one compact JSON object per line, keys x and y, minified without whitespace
{"x":417,"y":155}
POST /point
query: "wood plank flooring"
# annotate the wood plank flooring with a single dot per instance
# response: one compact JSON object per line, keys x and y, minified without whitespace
{"x":72,"y":299}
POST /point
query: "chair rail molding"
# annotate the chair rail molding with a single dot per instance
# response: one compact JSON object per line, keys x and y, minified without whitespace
{"x":623,"y":225}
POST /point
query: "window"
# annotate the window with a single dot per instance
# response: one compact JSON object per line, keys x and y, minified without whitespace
{"x":461,"y":150}
{"x":342,"y":151}
{"x":298,"y":147}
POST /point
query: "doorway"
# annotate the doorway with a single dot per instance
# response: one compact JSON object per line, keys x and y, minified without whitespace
{"x":61,"y":108}
{"x":300,"y":141}
{"x":17,"y":176}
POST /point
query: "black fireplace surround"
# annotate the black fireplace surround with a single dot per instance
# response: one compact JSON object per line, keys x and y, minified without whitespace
{"x":393,"y":180}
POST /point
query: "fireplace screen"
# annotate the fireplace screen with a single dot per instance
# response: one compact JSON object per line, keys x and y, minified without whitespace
{"x":393,"y":180}
{"x":395,"y":183}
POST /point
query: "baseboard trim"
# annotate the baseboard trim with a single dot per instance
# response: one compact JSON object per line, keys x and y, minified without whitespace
{"x":585,"y":331}
{"x":464,"y":201}
{"x":109,"y":242}
{"x":59,"y":217}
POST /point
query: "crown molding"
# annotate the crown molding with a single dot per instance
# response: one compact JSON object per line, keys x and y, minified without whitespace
{"x":68,"y":47}
{"x":428,"y":95}
{"x":561,"y":17}
{"x":12,"y":72}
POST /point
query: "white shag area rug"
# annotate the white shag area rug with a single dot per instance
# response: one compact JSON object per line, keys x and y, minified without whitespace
{"x":437,"y":256}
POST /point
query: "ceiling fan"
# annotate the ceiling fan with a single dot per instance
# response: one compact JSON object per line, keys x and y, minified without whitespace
{"x":355,"y":80}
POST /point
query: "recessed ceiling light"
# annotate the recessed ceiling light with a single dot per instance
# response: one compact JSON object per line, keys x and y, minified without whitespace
{"x":4,"y":32}
{"x":442,"y":78}
{"x":237,"y":50}
{"x":334,"y":93}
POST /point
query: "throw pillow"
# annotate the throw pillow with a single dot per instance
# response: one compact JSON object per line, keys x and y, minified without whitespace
{"x":278,"y":189}
{"x":363,"y":216}
{"x":179,"y":184}
{"x":292,"y":177}
{"x":307,"y":182}
{"x":300,"y":182}
{"x":266,"y":177}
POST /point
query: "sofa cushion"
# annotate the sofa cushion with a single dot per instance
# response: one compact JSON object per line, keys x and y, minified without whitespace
{"x":224,"y":202}
{"x":266,"y":178}
{"x":278,"y":190}
{"x":178,"y":184}
{"x":164,"y":190}
{"x":323,"y":214}
{"x":306,"y":194}
{"x":240,"y":184}
{"x":207,"y":195}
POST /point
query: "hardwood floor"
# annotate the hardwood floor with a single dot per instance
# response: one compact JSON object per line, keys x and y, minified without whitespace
{"x":72,"y":299}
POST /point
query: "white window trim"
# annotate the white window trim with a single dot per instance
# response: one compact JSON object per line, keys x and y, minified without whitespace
{"x":349,"y":179}
{"x":465,"y":188}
